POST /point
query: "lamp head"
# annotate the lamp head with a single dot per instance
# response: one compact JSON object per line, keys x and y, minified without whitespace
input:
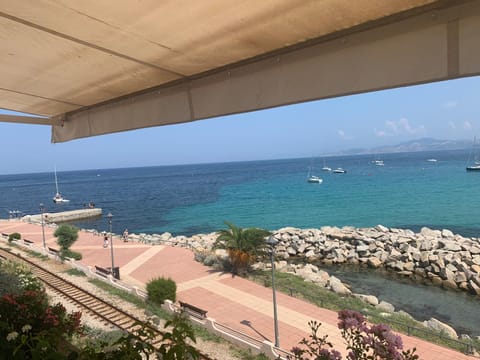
{"x":271,"y":241}
{"x":109,"y":216}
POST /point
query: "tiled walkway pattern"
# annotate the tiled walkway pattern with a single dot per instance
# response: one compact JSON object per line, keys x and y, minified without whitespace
{"x":232,"y":301}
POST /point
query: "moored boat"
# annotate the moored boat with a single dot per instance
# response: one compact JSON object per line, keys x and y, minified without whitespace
{"x":314,"y":179}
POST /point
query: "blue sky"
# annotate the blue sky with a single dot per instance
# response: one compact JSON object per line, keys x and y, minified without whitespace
{"x":443,"y":110}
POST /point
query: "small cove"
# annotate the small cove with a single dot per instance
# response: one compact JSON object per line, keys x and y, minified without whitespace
{"x":458,"y":309}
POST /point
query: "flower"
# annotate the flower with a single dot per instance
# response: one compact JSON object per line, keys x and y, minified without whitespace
{"x":26,"y":328}
{"x":12,"y":336}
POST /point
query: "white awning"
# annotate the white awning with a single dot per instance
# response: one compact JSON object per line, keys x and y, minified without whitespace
{"x":96,"y":67}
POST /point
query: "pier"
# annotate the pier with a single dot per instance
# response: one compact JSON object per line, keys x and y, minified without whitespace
{"x":64,"y":216}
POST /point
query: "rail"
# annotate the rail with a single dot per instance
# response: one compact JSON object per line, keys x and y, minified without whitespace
{"x":93,"y":304}
{"x":412,"y":330}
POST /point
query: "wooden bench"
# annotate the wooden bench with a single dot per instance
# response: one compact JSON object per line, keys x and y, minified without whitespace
{"x":102,"y":271}
{"x":5,"y":235}
{"x":28,"y":242}
{"x":193,"y":310}
{"x":53,"y":251}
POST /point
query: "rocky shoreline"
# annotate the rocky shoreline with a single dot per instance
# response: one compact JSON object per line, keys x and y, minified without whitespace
{"x":439,"y":258}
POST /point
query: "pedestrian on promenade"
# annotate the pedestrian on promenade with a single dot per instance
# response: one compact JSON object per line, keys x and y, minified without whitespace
{"x":125,"y":235}
{"x":105,"y":240}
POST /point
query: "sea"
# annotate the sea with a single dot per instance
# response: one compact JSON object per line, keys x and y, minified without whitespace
{"x":407,"y":192}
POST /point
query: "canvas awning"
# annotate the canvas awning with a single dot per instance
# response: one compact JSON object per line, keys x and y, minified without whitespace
{"x":96,"y":67}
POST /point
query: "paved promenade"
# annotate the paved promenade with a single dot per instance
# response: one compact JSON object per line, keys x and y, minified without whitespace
{"x":232,"y":301}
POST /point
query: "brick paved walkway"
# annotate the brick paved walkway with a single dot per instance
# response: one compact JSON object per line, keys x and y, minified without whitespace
{"x":233,"y":301}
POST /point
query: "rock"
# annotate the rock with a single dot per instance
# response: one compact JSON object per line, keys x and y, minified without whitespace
{"x":405,"y":314}
{"x":460,"y":277}
{"x":449,"y":284}
{"x":474,"y":250}
{"x":474,"y":288}
{"x":447,"y":233}
{"x":430,"y":233}
{"x":436,"y":280}
{"x":291,"y":251}
{"x":221,"y":253}
{"x":338,"y":287}
{"x":447,"y":274}
{"x":385,"y":306}
{"x":381,"y":228}
{"x":369,"y":299}
{"x":448,"y":245}
{"x":374,"y":262}
{"x":425,"y":245}
{"x":437,"y":325}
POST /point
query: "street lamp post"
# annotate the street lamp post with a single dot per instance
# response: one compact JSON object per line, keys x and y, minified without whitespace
{"x":273,"y":242}
{"x":42,"y":211}
{"x":110,"y":216}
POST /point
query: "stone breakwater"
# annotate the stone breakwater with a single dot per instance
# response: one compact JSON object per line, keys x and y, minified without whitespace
{"x":440,"y":257}
{"x":437,"y":256}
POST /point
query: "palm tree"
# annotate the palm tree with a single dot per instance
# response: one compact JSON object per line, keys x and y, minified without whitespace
{"x":243,"y":245}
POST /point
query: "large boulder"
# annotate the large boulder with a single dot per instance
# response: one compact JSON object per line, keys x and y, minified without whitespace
{"x":437,"y":325}
{"x":369,"y":299}
{"x":386,"y":307}
{"x":374,"y":262}
{"x":338,"y":287}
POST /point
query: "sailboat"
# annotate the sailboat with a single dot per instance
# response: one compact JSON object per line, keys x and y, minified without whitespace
{"x":325,"y":167}
{"x":58,"y":198}
{"x":313,"y":178}
{"x":476,"y":161}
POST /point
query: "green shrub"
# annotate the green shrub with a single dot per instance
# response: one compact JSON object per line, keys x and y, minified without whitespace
{"x":161,"y":289}
{"x":14,"y":236}
{"x":66,"y":235}
{"x":71,"y":254}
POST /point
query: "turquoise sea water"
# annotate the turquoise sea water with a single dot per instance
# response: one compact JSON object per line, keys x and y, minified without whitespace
{"x":407,"y":192}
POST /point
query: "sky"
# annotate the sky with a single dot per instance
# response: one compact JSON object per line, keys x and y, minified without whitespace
{"x":444,"y":110}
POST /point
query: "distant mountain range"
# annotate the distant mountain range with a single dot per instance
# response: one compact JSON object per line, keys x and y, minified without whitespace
{"x":423,"y":144}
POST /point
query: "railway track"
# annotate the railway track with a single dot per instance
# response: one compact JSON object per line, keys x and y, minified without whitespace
{"x":94,"y":305}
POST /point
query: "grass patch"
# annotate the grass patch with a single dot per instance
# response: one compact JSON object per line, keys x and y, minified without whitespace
{"x":296,"y":286}
{"x":122,"y":294}
{"x":247,"y":354}
{"x":36,"y":254}
{"x":204,"y":334}
{"x":75,"y":272}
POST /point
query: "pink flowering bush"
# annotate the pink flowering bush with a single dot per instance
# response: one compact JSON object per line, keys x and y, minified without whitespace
{"x":364,"y":342}
{"x":30,"y":328}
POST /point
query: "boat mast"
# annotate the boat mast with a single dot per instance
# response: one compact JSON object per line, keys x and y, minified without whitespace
{"x":56,"y":183}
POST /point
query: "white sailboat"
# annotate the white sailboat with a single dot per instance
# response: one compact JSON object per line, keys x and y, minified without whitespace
{"x":58,"y":198}
{"x":313,"y":178}
{"x":475,"y":165}
{"x":325,"y":167}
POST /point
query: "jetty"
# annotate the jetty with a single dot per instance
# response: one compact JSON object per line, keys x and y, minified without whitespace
{"x":64,"y":216}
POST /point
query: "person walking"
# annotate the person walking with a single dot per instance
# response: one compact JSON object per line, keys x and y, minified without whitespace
{"x":125,"y":235}
{"x":105,"y":240}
